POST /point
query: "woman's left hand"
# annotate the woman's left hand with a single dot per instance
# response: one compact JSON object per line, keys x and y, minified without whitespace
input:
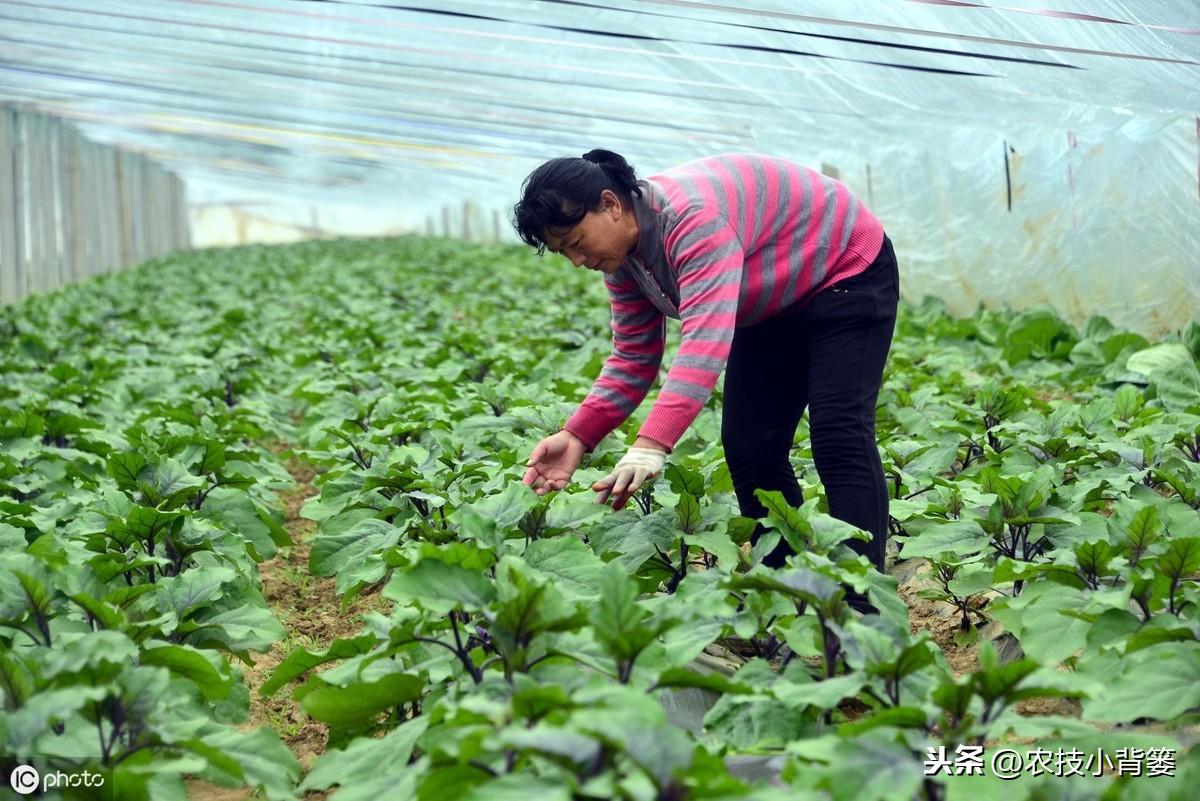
{"x":639,"y":465}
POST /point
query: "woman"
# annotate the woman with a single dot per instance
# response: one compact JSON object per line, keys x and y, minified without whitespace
{"x":779,"y":275}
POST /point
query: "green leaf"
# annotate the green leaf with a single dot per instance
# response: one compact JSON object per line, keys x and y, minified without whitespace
{"x":26,"y":586}
{"x":300,"y":660}
{"x":719,"y":545}
{"x":192,"y":590}
{"x":1111,"y":626}
{"x":21,"y":424}
{"x":995,"y":682}
{"x":43,"y":709}
{"x":971,"y":580}
{"x":904,"y":717}
{"x":741,"y":529}
{"x":687,"y":514}
{"x":1178,"y":389}
{"x":957,"y":537}
{"x":552,"y":741}
{"x":1172,"y":370}
{"x":235,"y":512}
{"x":619,"y":623}
{"x":1037,"y":333}
{"x":1166,"y":356}
{"x":798,"y":583}
{"x":663,"y":752}
{"x":1158,"y":682}
{"x":226,"y":768}
{"x":575,"y":570}
{"x":168,"y":484}
{"x":439,"y":587}
{"x":913,"y":658}
{"x":17,"y":683}
{"x":11,"y":538}
{"x":359,"y":703}
{"x":333,"y":553}
{"x":1191,"y":338}
{"x":872,"y":767}
{"x":526,"y":605}
{"x":212,"y":677}
{"x":1129,"y":401}
{"x":682,"y":640}
{"x":211,"y":458}
{"x":1143,"y":530}
{"x":518,"y":787}
{"x":717,"y":683}
{"x":1181,"y":559}
{"x":266,"y":763}
{"x":752,"y":723}
{"x":1094,"y":557}
{"x":369,"y":767}
{"x":571,"y":511}
{"x":786,"y":519}
{"x":1117,"y":344}
{"x":821,"y":694}
{"x":473,"y":525}
{"x":125,"y":468}
{"x":243,"y":628}
{"x":684,"y":481}
{"x":92,"y":651}
{"x":1037,"y":619}
{"x":1160,"y":629}
{"x":826,"y":531}
{"x":632,"y":537}
{"x":456,"y":781}
{"x":506,"y":508}
{"x":146,"y":525}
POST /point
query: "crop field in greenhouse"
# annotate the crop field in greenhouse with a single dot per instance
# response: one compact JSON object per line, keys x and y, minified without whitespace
{"x":263,"y":534}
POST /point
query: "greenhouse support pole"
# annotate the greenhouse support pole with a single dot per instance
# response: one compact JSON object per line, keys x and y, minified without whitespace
{"x":100,"y":230}
{"x":125,"y":246}
{"x":10,"y":213}
{"x":41,"y":199}
{"x":116,"y":211}
{"x":48,"y":269}
{"x":61,"y":178}
{"x":69,"y":195}
{"x":182,"y":223}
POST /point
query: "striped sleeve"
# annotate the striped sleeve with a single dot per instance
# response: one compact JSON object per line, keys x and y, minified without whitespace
{"x":639,"y":337}
{"x":708,"y":257}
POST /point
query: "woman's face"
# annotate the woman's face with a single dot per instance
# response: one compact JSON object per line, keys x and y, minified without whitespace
{"x":601,"y":240}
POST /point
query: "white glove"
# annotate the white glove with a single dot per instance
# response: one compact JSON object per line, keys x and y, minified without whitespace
{"x":636,"y":467}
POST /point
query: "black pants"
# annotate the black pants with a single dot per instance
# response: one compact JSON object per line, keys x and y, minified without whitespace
{"x":828,"y":357}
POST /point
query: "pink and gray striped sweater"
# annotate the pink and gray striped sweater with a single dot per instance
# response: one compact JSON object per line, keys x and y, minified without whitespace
{"x":723,"y":242}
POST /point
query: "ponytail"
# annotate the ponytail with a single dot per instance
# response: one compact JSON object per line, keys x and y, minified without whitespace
{"x":617,"y":169}
{"x":560,"y":193}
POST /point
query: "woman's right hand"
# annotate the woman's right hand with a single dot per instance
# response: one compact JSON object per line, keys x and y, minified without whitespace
{"x":552,"y":462}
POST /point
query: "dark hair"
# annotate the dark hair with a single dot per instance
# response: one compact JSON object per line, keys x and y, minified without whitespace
{"x":558,"y":194}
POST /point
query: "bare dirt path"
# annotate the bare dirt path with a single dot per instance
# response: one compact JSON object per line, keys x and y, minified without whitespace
{"x":312,"y":616}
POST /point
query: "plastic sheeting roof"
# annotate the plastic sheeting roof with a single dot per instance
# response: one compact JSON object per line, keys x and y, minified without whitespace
{"x":369,"y":98}
{"x":1018,"y":154}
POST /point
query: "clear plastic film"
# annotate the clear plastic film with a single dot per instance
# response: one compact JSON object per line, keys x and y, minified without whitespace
{"x":1019,"y":152}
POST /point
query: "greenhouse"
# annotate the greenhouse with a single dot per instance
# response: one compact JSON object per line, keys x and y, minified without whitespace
{"x":867,"y":466}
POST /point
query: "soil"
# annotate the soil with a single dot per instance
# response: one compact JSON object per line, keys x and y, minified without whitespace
{"x":312,"y":615}
{"x":940,"y":619}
